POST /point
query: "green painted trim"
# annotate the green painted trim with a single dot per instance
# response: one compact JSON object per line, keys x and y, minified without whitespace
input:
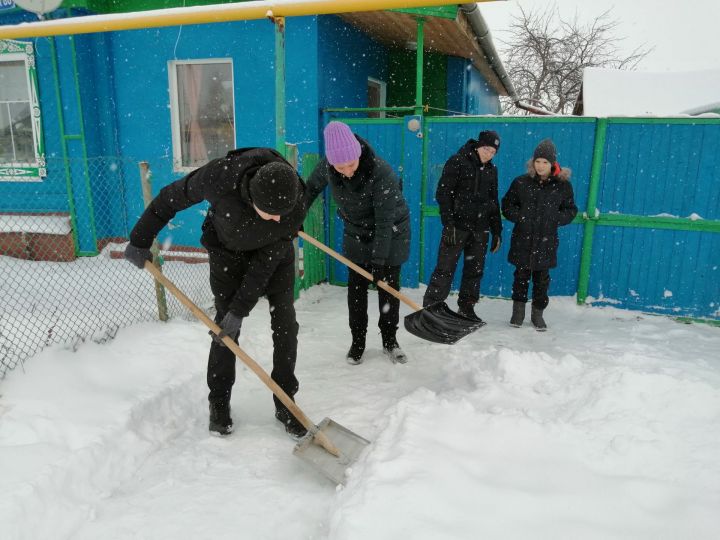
{"x":511,"y":119}
{"x":280,"y":85}
{"x":86,"y":171}
{"x":589,"y":232}
{"x":369,"y":109}
{"x":442,"y":12}
{"x":658,"y":222}
{"x":419,"y":56}
{"x":63,"y":145}
{"x":688,"y":320}
{"x":73,"y":137}
{"x":690,"y":120}
{"x":423,"y":197}
{"x":36,"y":170}
{"x":373,"y":121}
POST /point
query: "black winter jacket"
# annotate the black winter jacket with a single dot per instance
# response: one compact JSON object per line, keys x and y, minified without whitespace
{"x":375,"y":215}
{"x":467,"y":192}
{"x":537,"y":210}
{"x":232,"y":224}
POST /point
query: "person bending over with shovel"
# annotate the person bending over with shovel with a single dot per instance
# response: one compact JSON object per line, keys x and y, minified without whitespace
{"x":256,"y":208}
{"x":376,"y":230}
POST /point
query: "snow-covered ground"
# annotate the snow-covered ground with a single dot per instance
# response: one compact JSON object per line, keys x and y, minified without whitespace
{"x":605,"y":427}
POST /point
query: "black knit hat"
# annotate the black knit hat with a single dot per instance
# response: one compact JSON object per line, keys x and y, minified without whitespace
{"x":274,"y":188}
{"x":489,"y":138}
{"x":546,"y":150}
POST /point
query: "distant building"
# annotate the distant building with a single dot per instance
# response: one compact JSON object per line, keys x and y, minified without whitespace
{"x":612,"y":92}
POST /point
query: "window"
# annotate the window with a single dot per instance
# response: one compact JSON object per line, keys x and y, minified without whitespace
{"x":377,"y":90}
{"x":202,"y":111}
{"x":22,"y":156}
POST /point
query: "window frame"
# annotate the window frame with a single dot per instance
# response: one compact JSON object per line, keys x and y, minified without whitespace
{"x":175,"y":110}
{"x":34,"y":171}
{"x":382,"y":87}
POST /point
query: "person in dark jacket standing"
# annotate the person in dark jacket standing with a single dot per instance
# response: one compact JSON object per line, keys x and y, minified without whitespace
{"x":537,"y":203}
{"x":376,"y":235}
{"x":467,"y":194}
{"x":256,"y":208}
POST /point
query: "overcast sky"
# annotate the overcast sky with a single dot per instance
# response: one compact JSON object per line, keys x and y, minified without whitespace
{"x":684,"y":34}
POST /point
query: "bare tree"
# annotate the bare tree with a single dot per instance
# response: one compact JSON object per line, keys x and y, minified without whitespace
{"x":546,"y":54}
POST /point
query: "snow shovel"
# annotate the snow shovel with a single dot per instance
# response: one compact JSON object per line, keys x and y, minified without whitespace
{"x":336,"y":448}
{"x":436,"y":323}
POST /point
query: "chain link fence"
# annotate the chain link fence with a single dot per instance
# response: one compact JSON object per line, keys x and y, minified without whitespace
{"x":64,"y":277}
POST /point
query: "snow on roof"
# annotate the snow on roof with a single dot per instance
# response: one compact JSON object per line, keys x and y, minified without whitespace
{"x":612,"y":92}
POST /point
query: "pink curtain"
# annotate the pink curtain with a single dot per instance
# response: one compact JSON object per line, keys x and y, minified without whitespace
{"x":197,"y":151}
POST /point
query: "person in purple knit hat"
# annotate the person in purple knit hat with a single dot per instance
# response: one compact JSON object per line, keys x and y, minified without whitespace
{"x":376,"y":233}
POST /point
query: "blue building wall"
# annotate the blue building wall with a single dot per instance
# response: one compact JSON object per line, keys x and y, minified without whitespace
{"x":468,"y":92}
{"x":49,"y":195}
{"x":346,"y":58}
{"x":142,"y":94}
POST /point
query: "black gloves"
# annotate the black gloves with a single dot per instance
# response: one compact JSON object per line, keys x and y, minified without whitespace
{"x":230,"y":326}
{"x":495,"y":243}
{"x":137,"y":255}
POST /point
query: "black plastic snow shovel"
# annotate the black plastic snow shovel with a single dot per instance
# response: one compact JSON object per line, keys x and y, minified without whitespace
{"x":329,"y":447}
{"x":436,"y":323}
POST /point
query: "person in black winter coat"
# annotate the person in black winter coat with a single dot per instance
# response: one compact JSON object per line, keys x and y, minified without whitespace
{"x":256,"y":209}
{"x":467,"y":194}
{"x":376,"y":235}
{"x":537,"y":203}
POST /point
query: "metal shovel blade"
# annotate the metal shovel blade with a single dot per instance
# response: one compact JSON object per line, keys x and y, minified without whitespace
{"x":439,"y":324}
{"x":349,"y":444}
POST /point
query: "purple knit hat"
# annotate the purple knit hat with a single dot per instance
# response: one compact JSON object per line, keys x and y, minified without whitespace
{"x":341,"y":146}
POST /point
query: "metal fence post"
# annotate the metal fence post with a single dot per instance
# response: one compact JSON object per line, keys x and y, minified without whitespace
{"x":155,"y":249}
{"x":590,"y":214}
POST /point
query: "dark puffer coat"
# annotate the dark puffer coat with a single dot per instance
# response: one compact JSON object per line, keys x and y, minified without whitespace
{"x":537,"y":210}
{"x":232,"y":224}
{"x":467,"y":192}
{"x":374,"y":212}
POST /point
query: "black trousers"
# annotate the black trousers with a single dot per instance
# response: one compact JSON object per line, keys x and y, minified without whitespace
{"x":358,"y":304}
{"x":541,"y":284}
{"x":475,"y":247}
{"x":226,"y":274}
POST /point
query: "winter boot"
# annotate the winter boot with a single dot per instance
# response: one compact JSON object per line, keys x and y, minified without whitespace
{"x":467,"y":311}
{"x":537,"y":319}
{"x":354,"y":355}
{"x":518,"y":314}
{"x":292,"y":426}
{"x":393,"y":351}
{"x":220,"y":421}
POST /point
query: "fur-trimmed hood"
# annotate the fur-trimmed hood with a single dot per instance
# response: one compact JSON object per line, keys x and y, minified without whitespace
{"x":563,"y":175}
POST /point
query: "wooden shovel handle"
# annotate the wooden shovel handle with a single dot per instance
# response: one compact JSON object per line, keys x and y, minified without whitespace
{"x":367,"y":275}
{"x":247,"y":360}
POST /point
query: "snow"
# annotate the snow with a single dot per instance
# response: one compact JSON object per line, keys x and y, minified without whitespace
{"x":40,"y":224}
{"x":611,"y":92}
{"x":606,"y":426}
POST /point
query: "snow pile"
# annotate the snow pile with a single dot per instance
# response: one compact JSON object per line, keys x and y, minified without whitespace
{"x":606,"y":426}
